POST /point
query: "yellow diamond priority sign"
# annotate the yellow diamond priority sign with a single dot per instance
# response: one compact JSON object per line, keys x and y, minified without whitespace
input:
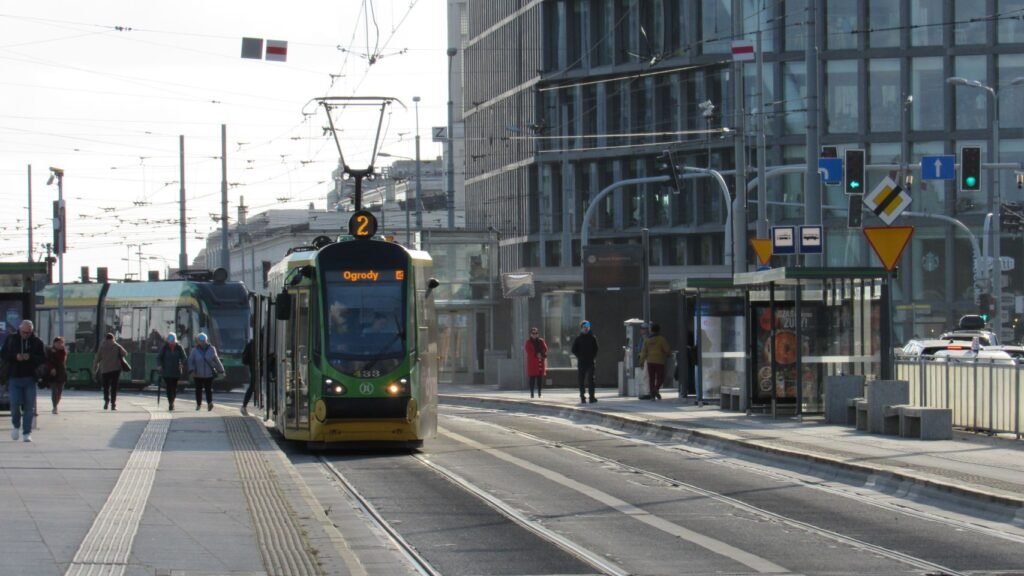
{"x":887,"y":200}
{"x":888,"y":242}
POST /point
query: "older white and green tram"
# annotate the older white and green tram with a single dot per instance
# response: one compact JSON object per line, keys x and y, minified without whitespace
{"x":353,"y":350}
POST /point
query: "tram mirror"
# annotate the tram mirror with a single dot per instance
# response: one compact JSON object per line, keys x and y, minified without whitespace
{"x":283,"y":306}
{"x":431,"y":284}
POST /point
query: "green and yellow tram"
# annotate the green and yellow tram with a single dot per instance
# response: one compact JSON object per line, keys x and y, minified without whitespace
{"x":141,"y":314}
{"x":354,"y":347}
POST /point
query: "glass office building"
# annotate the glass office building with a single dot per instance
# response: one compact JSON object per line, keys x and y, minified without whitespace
{"x":563,"y":98}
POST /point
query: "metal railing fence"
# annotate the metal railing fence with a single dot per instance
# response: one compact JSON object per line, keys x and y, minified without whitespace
{"x":984,"y":396}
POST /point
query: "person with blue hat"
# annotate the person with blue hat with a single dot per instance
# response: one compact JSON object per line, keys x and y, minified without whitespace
{"x":204,"y":364}
{"x":585,"y":348}
{"x":171,"y":359}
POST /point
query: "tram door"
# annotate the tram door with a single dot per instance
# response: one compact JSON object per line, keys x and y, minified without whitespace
{"x":296,"y":382}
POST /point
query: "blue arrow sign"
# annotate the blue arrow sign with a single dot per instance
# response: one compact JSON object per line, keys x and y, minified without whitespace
{"x":938,"y":167}
{"x":832,"y":170}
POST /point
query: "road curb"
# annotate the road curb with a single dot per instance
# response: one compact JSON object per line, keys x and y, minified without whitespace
{"x":893,"y":481}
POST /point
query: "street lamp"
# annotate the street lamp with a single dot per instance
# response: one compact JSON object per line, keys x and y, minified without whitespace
{"x":995,"y":196}
{"x":61,"y":239}
{"x":451,"y":144}
{"x":419,"y":187}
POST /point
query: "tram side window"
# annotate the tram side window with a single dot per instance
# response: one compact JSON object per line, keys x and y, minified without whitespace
{"x":161,"y":322}
{"x":183,"y":325}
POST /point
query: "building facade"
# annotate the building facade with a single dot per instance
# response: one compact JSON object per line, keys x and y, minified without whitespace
{"x":564,"y":98}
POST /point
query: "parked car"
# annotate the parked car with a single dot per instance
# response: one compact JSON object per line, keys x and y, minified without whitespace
{"x":929,"y":346}
{"x":979,"y":357}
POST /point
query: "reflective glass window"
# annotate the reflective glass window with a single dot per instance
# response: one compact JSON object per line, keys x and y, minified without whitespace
{"x":1011,"y":30}
{"x":1011,"y":96}
{"x":796,"y":24}
{"x":794,"y":84}
{"x":926,"y":22}
{"x":971,"y":103}
{"x":927,"y":79}
{"x":884,"y":95}
{"x":842,"y":90}
{"x":716,"y":26}
{"x":884,"y":16}
{"x":841,"y":21}
{"x":971,"y":23}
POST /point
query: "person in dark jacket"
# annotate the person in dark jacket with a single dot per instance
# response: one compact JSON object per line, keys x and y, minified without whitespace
{"x":171,"y":359}
{"x":247,"y":361}
{"x":108,"y":367}
{"x":24,"y":353}
{"x":584,"y":347}
{"x":57,"y":375}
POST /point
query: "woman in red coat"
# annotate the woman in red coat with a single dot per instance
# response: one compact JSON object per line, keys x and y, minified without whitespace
{"x":536,"y":360}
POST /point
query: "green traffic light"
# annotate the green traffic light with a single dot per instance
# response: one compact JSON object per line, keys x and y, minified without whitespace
{"x":854,"y":184}
{"x":984,"y":317}
{"x":971,"y":181}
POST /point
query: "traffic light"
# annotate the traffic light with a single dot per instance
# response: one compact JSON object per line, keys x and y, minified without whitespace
{"x":665,"y":164}
{"x":59,"y":232}
{"x":970,"y":168}
{"x":988,"y":306}
{"x":854,"y":172}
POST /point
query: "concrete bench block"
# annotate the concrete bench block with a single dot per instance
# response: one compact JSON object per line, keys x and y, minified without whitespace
{"x":838,"y":392}
{"x":882,"y":393}
{"x":861,"y":419}
{"x":892,"y":419}
{"x":731,"y":398}
{"x":926,"y":423}
{"x":851,"y":411}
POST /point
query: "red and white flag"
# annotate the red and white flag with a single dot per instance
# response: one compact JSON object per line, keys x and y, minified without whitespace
{"x":277,"y":50}
{"x":742,"y":50}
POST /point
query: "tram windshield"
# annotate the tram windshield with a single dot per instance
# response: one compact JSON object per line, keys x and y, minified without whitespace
{"x":231,"y":328}
{"x":365,"y":322}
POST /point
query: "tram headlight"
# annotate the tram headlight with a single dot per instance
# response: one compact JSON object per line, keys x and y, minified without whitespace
{"x":398,"y":387}
{"x":332,"y":387}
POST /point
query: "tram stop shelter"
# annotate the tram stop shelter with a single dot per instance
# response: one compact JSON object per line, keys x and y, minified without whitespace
{"x":19,"y":282}
{"x":770,"y":339}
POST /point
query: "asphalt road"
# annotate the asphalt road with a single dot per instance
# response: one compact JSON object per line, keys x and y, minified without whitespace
{"x":648,"y":508}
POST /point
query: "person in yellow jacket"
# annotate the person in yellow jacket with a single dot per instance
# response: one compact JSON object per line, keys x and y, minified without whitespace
{"x":654,"y":353}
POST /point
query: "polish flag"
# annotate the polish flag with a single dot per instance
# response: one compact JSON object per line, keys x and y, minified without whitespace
{"x":277,"y":50}
{"x":742,"y":50}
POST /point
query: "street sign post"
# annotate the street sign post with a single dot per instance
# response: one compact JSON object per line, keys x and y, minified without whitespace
{"x":811,"y":239}
{"x":938,"y":167}
{"x":888,"y":242}
{"x":783,"y":240}
{"x":831,"y":170}
{"x":887,"y":200}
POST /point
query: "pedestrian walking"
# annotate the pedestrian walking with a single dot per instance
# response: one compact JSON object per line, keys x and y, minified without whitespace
{"x":204,"y":365}
{"x":24,"y":353}
{"x":584,"y":347}
{"x":247,"y":361}
{"x":171,"y":359}
{"x":536,"y":360}
{"x":57,"y":371}
{"x":654,"y":353}
{"x":107,"y":367}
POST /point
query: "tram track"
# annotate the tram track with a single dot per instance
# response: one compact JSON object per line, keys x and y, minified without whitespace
{"x":674,"y":483}
{"x":422,"y":566}
{"x":409,"y":552}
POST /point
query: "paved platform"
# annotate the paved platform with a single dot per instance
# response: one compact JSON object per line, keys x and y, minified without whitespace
{"x":985,"y":474}
{"x":144,"y":491}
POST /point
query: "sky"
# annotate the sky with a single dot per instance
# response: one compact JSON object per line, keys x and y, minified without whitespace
{"x":104,"y":89}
